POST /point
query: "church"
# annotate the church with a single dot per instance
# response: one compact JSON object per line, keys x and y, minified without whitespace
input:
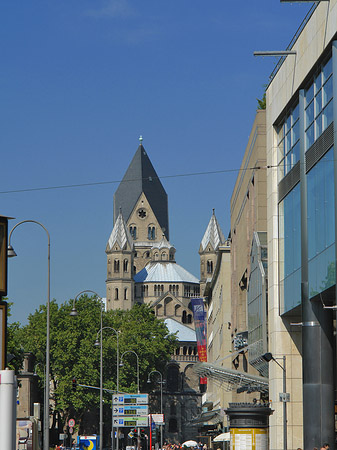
{"x":142,"y":268}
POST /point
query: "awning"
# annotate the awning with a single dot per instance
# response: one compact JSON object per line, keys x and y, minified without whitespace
{"x":214,"y":416}
{"x":232,"y":379}
{"x":223,"y":437}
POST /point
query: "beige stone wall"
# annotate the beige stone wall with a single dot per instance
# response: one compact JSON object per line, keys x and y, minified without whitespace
{"x":218,"y":328}
{"x":284,"y":339}
{"x":143,"y":217}
{"x":248,"y":214}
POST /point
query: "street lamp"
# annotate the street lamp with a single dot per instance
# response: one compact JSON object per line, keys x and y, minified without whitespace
{"x":99,"y":344}
{"x":121,"y":365}
{"x":11,"y":253}
{"x":74,"y":313}
{"x":269,"y":357}
{"x":161,"y":401}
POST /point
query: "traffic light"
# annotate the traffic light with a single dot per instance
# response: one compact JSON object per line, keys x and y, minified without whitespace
{"x":142,"y":433}
{"x":74,"y":384}
{"x":135,"y":433}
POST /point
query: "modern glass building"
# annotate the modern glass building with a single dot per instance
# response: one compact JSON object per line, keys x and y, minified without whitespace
{"x":301,"y":189}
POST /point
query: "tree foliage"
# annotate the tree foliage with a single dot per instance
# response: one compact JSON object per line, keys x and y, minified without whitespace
{"x":73,"y":354}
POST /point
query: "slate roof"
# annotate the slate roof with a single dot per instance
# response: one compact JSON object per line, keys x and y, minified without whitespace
{"x":142,"y":177}
{"x":185,"y":334}
{"x":213,"y":234}
{"x":120,"y":234}
{"x":158,"y":271}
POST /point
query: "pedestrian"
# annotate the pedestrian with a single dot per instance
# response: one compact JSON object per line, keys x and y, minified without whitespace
{"x":325,"y":446}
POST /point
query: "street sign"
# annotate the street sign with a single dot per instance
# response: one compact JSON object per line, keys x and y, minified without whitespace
{"x":284,"y":397}
{"x":71,"y":430}
{"x":158,"y":418}
{"x":132,"y":421}
{"x":130,"y":399}
{"x":71,"y":423}
{"x":131,"y":410}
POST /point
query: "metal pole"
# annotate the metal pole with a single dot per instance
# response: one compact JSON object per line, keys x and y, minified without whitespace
{"x":161,"y":411}
{"x":46,"y":403}
{"x":101,"y":387}
{"x":117,"y":444}
{"x":285,"y":439}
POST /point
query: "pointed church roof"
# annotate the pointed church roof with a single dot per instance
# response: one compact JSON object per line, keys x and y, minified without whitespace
{"x":213,"y":234}
{"x":141,"y":177}
{"x":120,"y":234}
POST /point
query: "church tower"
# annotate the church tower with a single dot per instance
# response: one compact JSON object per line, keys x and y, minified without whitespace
{"x":143,"y":201}
{"x":208,"y":251}
{"x":120,"y":267}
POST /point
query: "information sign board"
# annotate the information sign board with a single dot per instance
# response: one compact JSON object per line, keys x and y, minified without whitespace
{"x":132,"y":421}
{"x":131,"y":410}
{"x":130,"y":399}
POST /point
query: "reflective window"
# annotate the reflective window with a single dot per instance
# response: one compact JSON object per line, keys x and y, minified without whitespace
{"x":318,"y":104}
{"x":290,"y":250}
{"x":321,"y":225}
{"x":288,"y":142}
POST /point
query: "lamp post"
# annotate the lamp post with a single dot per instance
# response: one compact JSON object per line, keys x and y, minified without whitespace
{"x":97,"y":344}
{"x":269,"y":357}
{"x":75,"y":313}
{"x":161,"y":401}
{"x":11,"y":253}
{"x":121,"y":364}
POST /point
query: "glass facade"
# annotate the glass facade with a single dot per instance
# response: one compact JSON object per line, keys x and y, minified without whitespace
{"x":318,"y":104}
{"x":257,"y":303}
{"x":288,"y":142}
{"x":290,"y":250}
{"x":321,"y":225}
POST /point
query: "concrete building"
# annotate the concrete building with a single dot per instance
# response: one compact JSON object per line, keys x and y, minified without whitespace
{"x":142,"y":268}
{"x":301,"y":229}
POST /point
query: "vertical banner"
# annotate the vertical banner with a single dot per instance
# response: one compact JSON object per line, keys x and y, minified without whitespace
{"x":200,"y":324}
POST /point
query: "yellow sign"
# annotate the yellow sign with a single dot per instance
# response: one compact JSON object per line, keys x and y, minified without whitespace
{"x":249,"y":439}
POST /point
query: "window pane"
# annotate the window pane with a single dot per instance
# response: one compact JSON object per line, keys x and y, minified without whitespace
{"x":288,"y":124}
{"x":318,"y":103}
{"x":327,"y":70}
{"x":280,"y":153}
{"x":318,"y":123}
{"x":327,"y":115}
{"x":296,"y":153}
{"x":309,"y":137}
{"x":295,"y":113}
{"x":318,"y":82}
{"x":309,"y":95}
{"x":327,"y":91}
{"x":287,"y":143}
{"x":309,"y":114}
{"x":295,"y":133}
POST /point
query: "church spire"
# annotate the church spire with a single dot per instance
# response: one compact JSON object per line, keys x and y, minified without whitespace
{"x":139,"y":178}
{"x":213,"y":234}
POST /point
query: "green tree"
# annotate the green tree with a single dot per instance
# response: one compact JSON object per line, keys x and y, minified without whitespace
{"x":72,"y":353}
{"x":261,"y":104}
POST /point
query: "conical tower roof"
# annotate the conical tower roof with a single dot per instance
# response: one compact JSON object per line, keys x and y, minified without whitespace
{"x":120,"y":234}
{"x":142,"y":177}
{"x":213,"y":234}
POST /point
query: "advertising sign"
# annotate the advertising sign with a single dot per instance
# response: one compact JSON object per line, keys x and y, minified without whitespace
{"x":200,"y":330}
{"x":88,"y":442}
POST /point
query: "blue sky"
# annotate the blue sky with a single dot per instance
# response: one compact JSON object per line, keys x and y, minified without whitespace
{"x":81,"y":80}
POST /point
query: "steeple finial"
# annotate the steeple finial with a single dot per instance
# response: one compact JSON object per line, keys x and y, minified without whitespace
{"x":213,"y":211}
{"x":141,"y":140}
